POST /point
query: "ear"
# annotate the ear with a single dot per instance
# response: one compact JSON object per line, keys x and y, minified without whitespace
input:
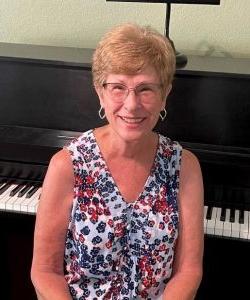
{"x":167,"y":92}
{"x":99,"y":92}
{"x":169,"y":88}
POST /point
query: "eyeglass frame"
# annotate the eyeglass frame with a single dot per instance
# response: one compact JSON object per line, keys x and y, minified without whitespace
{"x":158,"y":85}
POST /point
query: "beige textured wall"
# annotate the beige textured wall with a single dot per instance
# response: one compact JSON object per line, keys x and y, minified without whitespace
{"x":203,"y":29}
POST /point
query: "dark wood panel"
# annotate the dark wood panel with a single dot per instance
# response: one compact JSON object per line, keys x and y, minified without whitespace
{"x":208,"y":111}
{"x":226,"y":264}
{"x":16,"y":256}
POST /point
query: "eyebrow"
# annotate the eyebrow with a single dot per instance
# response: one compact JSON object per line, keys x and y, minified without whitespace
{"x":141,"y":83}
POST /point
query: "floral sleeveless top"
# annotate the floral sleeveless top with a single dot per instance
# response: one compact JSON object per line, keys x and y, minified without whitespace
{"x":114,"y":249}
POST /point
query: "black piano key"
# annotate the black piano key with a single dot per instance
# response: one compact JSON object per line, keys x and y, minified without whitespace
{"x":5,"y":187}
{"x":2,"y":182}
{"x":223,"y":214}
{"x":232,"y":215}
{"x":209,"y":212}
{"x":16,"y":190}
{"x":241,"y":216}
{"x":24,"y":190}
{"x":32,"y":191}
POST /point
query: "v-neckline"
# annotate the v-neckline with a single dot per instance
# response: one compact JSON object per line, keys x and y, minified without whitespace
{"x":147,"y":181}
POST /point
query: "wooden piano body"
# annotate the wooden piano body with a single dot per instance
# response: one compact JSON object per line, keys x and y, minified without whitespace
{"x":47,"y":97}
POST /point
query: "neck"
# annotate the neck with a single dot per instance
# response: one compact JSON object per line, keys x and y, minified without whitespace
{"x":114,"y":146}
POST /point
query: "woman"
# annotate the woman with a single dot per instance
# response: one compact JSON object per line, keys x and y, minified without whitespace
{"x":120,"y":215}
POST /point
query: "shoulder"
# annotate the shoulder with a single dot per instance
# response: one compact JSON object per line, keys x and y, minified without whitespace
{"x":191,"y":182}
{"x":61,"y":161}
{"x":189,"y":159}
{"x":58,"y":183}
{"x":60,"y":168}
{"x":189,"y":164}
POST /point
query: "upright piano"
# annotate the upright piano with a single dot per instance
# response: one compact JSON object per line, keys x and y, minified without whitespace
{"x":47,"y":98}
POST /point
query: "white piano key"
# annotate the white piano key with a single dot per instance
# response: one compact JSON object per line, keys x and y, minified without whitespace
{"x":7,"y":192}
{"x":227,"y":227}
{"x":218,"y":223}
{"x":236,"y":225}
{"x":244,"y":228}
{"x":19,"y":204}
{"x":204,"y":218}
{"x":32,"y":208}
{"x":10,"y":202}
{"x":19,"y":201}
{"x":5,"y":197}
{"x":27,"y":201}
{"x":211,"y":222}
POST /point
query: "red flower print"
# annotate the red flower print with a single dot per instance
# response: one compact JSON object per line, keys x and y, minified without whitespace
{"x":90,"y":180}
{"x":109,"y":244}
{"x":111,"y":223}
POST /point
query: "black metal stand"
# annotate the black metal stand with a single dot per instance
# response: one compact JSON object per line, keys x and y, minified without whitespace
{"x":181,"y":59}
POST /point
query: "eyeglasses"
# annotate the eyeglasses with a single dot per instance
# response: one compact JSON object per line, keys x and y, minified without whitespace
{"x":148,"y":93}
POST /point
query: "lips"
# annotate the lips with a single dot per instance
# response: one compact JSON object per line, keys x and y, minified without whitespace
{"x":132,"y":120}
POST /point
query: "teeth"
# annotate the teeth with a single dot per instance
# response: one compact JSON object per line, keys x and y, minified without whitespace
{"x":132,"y":120}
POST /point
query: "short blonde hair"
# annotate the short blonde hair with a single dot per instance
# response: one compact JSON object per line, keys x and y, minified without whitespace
{"x":128,"y":48}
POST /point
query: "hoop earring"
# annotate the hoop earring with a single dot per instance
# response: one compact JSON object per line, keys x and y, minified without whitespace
{"x":101,"y":113}
{"x":163,"y":114}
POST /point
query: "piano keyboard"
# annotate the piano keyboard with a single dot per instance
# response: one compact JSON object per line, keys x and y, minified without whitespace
{"x":227,"y":222}
{"x":231,"y":223}
{"x":20,"y":198}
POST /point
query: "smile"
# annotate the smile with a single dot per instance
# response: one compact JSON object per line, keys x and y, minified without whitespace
{"x":132,"y":120}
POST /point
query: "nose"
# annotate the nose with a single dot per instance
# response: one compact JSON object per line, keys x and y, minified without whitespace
{"x":132,"y":101}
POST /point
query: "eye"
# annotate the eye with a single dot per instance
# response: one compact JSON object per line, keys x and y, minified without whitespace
{"x":116,"y":87}
{"x":144,"y":88}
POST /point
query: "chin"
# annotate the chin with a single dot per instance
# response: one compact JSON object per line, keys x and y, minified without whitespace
{"x":133,"y":135}
{"x":132,"y":132}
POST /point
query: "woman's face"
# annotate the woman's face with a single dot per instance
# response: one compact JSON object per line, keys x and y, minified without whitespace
{"x":132,"y":114}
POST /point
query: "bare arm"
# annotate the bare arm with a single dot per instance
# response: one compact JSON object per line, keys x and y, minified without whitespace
{"x":47,"y":272}
{"x":187,"y":269}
